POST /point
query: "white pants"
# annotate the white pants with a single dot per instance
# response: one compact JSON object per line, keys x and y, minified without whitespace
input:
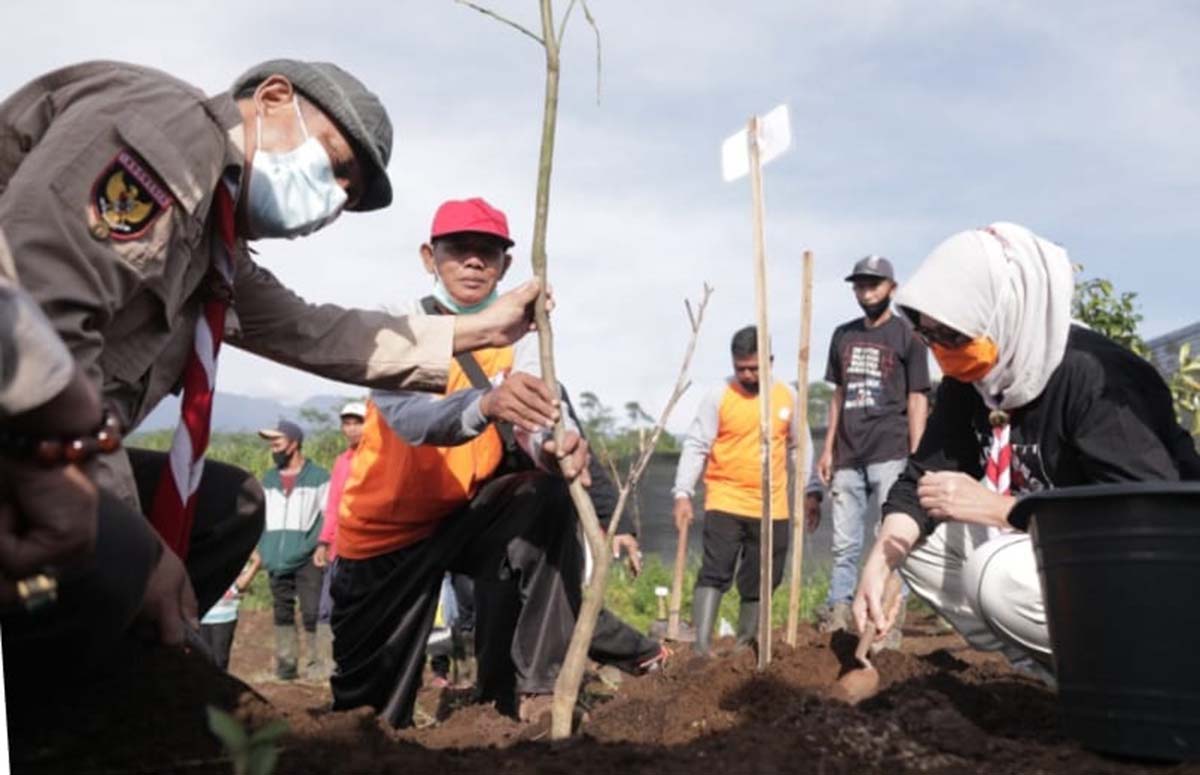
{"x":987,"y":588}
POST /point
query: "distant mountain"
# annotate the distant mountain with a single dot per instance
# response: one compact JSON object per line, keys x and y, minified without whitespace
{"x":232,"y":412}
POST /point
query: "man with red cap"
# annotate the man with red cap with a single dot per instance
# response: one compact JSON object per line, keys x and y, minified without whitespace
{"x":440,"y":484}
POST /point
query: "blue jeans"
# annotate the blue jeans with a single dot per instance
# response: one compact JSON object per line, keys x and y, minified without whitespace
{"x":858,"y":494}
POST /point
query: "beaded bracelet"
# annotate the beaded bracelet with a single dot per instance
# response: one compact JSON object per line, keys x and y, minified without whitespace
{"x":62,"y":450}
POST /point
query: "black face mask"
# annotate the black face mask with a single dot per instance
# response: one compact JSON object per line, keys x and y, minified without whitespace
{"x":281,"y":458}
{"x":749,"y":387}
{"x":875,"y":311}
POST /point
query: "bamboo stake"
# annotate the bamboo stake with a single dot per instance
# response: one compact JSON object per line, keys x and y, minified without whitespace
{"x":802,"y":440}
{"x":764,"y":400}
{"x":677,"y":585}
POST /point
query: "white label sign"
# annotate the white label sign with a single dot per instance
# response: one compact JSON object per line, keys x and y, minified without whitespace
{"x":774,"y":137}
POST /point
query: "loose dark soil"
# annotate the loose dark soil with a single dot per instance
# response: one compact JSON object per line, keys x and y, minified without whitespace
{"x":942,"y":709}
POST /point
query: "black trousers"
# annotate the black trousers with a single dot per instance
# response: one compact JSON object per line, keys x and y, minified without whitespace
{"x":616,"y":643}
{"x":731,"y":542}
{"x":302,"y":585}
{"x":517,"y":541}
{"x":97,"y":601}
{"x":219,"y":639}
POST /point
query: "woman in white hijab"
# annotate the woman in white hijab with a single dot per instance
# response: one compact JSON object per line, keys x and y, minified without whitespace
{"x":1029,"y":401}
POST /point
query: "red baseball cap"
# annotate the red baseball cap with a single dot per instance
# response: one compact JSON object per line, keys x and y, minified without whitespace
{"x":473,"y":215}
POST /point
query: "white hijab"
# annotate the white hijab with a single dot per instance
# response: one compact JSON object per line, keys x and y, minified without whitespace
{"x":1005,"y":282}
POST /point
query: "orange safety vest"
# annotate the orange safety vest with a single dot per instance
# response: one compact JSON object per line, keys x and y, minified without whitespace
{"x":733,"y":473}
{"x":397,"y":493}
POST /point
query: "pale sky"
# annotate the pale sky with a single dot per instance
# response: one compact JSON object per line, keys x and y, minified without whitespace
{"x":911,"y":121}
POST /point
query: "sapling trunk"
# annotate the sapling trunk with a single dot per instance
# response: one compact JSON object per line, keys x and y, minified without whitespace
{"x":566,"y":688}
{"x":570,"y":677}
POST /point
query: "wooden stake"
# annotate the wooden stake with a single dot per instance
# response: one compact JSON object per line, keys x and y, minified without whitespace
{"x":764,"y":400}
{"x":802,"y":439}
{"x":677,"y":585}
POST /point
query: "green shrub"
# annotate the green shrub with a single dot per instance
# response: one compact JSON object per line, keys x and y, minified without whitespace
{"x":258,"y":596}
{"x":249,"y":452}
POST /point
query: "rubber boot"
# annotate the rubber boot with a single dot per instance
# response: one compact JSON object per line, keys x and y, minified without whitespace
{"x":321,"y":660}
{"x":287,"y":647}
{"x":705,"y":602}
{"x":747,"y":628}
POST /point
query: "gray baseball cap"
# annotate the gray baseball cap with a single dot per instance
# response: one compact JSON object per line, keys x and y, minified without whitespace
{"x":286,"y":429}
{"x":349,"y":104}
{"x":872,"y":266}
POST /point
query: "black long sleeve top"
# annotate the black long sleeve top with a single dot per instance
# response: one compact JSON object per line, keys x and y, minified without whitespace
{"x":1105,"y":416}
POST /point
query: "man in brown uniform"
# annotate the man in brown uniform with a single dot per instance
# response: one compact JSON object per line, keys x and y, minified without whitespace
{"x":126,"y":199}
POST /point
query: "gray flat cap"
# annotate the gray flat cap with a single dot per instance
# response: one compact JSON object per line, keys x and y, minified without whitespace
{"x":355,"y":109}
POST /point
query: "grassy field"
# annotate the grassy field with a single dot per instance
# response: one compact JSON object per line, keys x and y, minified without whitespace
{"x":633,"y":599}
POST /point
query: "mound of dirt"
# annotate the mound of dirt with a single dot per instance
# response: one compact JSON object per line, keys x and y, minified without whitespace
{"x":942,"y":709}
{"x":147,"y":715}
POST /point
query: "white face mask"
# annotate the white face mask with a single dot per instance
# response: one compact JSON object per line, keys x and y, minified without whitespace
{"x":292,"y":193}
{"x":449,"y":302}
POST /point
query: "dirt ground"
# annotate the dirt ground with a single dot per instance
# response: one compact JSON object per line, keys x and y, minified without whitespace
{"x":943,"y":709}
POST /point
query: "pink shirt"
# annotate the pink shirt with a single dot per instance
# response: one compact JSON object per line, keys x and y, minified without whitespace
{"x":337,"y":483}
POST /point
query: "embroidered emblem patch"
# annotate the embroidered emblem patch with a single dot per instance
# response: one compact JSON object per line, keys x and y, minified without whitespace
{"x":129,"y":197}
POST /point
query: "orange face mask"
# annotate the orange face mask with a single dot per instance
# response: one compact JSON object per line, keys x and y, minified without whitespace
{"x":969,"y":362}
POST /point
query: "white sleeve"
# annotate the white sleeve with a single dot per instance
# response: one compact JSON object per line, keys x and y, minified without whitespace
{"x":697,"y":443}
{"x":809,"y":463}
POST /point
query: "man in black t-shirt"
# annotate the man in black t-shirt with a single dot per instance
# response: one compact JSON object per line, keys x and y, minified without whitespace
{"x":880,"y":371}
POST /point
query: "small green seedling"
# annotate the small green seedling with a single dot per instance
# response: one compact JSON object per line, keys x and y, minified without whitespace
{"x":252,"y":753}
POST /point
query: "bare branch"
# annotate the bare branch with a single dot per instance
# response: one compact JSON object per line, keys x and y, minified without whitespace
{"x":604,"y":454}
{"x":691,"y":316}
{"x":566,"y":686}
{"x":682,"y":383}
{"x":501,"y":19}
{"x":587,"y":14}
{"x":616,"y":474}
{"x":562,"y":27}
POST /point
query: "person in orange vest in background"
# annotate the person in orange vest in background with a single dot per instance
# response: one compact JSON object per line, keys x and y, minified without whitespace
{"x":724,"y":442}
{"x":434,"y":487}
{"x":352,"y":416}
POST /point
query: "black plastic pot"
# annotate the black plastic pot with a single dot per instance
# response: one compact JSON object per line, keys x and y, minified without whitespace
{"x":1120,"y":570}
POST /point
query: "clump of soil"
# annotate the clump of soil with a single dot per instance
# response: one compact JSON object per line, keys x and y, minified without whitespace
{"x":146,"y":714}
{"x":942,"y":709}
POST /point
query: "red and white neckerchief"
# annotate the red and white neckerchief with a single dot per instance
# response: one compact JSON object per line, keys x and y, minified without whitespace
{"x":174,"y":508}
{"x":998,"y":471}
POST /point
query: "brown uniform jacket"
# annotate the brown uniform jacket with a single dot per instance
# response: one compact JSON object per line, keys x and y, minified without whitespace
{"x":107,"y":175}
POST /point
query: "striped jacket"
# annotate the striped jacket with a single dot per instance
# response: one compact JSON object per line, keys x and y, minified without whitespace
{"x":293,"y":520}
